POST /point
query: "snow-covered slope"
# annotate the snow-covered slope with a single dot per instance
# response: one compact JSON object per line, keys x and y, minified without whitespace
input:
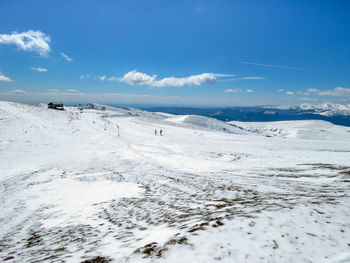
{"x":124,"y":111}
{"x":72,"y":190}
{"x":207,"y":123}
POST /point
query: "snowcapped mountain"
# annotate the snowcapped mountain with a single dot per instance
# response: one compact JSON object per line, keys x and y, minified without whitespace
{"x":335,"y":113}
{"x":327,"y":108}
{"x":100,"y":186}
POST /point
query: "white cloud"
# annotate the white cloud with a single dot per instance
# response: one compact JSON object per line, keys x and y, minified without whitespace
{"x":133,"y":77}
{"x":280,"y":90}
{"x":270,"y":66}
{"x":18,"y":91}
{"x":85,"y":76}
{"x":249,"y":90}
{"x":191,"y":80}
{"x":303,"y":93}
{"x":39,"y":69}
{"x":72,"y":90}
{"x":232,"y":90}
{"x":253,"y":78}
{"x":313,"y":90}
{"x":224,"y":75}
{"x":4,"y":78}
{"x":35,"y":41}
{"x":101,"y":78}
{"x":289,"y":93}
{"x":53,"y":90}
{"x":113,"y":79}
{"x":337,"y":91}
{"x":66,"y":57}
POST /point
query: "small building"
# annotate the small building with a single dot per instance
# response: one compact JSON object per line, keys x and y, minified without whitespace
{"x":55,"y":105}
{"x":90,"y":106}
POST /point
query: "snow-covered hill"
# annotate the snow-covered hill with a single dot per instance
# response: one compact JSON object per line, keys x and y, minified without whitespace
{"x":207,"y":123}
{"x":124,"y":111}
{"x":72,"y":190}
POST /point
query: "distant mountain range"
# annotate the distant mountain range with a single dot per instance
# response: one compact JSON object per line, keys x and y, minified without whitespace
{"x":335,"y":113}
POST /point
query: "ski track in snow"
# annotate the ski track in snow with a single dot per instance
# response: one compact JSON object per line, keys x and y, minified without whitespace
{"x":73,"y":190}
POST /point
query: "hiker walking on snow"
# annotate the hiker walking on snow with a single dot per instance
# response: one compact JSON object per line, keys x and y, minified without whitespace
{"x":161,"y":132}
{"x":155,"y":132}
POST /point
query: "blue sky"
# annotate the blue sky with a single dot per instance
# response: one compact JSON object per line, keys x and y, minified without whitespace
{"x":198,"y":53}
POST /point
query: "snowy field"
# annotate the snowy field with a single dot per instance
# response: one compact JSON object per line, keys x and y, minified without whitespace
{"x":72,"y":190}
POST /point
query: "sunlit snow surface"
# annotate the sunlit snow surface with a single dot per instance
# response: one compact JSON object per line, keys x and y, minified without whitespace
{"x":72,"y":190}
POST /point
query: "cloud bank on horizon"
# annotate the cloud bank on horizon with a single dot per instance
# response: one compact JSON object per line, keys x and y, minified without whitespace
{"x":337,"y":91}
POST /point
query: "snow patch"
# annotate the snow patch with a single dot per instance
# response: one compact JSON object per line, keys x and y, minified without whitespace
{"x":68,"y":201}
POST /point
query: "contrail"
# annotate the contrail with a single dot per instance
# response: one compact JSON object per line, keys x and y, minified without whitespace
{"x":270,"y":66}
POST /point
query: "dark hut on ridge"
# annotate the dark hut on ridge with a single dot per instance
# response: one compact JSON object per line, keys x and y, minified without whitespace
{"x":55,"y":105}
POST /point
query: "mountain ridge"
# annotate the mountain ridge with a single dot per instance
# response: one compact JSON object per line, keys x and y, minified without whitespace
{"x":338,"y":114}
